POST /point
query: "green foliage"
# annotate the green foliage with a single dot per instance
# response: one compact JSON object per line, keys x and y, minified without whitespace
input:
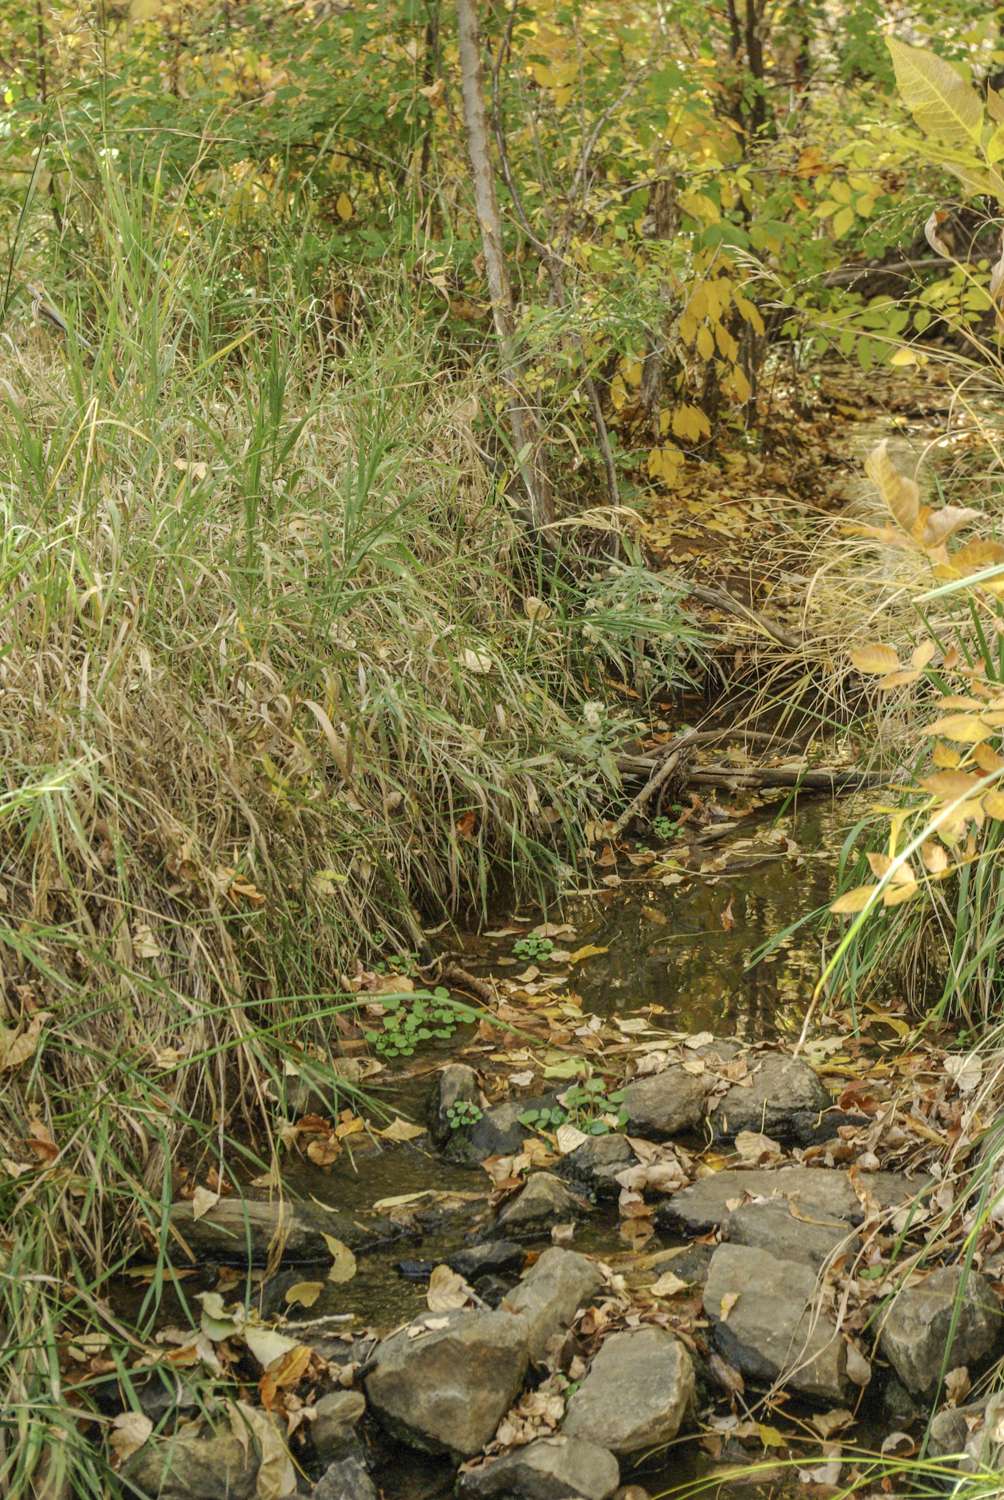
{"x":586,"y":1105}
{"x":533,"y":947}
{"x":464,"y":1112}
{"x":417,"y":1017}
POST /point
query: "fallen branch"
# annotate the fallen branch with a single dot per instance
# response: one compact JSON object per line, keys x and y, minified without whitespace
{"x":658,"y":778}
{"x":816,"y":779}
{"x":722,"y":600}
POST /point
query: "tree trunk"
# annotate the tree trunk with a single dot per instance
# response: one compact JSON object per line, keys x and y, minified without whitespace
{"x":523,"y":422}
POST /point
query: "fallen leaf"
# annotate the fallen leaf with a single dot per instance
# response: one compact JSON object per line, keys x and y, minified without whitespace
{"x":402,"y":1130}
{"x":202,"y":1201}
{"x":267,"y":1344}
{"x":668,"y":1285}
{"x":130,"y":1430}
{"x":447,"y":1290}
{"x":727,"y":1304}
{"x":343,"y":1262}
{"x":303,"y":1293}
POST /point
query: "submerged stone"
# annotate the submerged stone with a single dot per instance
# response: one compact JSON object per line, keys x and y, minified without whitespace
{"x":553,"y":1468}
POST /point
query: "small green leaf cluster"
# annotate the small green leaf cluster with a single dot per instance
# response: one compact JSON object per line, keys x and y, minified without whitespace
{"x":412,"y":1019}
{"x":586,"y":1105}
{"x":463,"y":1112}
{"x":398,"y":963}
{"x":533,"y":947}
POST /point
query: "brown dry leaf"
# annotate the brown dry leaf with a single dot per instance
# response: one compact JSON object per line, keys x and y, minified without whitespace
{"x":923,"y":654}
{"x":17,"y":1047}
{"x":993,"y":805}
{"x":875,"y":660}
{"x":343,"y":1262}
{"x":276,"y":1475}
{"x":935,"y":857}
{"x":130,"y":1430}
{"x":957,"y":1385}
{"x":287,"y":1371}
{"x":401,"y":1130}
{"x":324,"y":1151}
{"x":668,"y":1285}
{"x":950,"y":784}
{"x":898,"y":679}
{"x":202,"y":1201}
{"x":728,"y":1303}
{"x":588,"y":950}
{"x":447,"y":1290}
{"x":827,"y":1423}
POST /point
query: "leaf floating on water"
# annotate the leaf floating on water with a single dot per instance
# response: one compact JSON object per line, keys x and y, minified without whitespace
{"x":303,"y":1293}
{"x":402,"y":1130}
{"x":343,"y":1262}
{"x":588,"y":950}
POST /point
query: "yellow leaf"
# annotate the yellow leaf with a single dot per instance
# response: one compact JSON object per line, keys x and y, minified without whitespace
{"x":344,"y":207}
{"x":934,"y":855}
{"x":964,"y":729}
{"x":904,"y":357}
{"x":876,"y":660}
{"x":901,"y":495}
{"x":853,"y":901}
{"x":343,"y":1262}
{"x":895,"y":895}
{"x":987,"y":759}
{"x":588,"y":950}
{"x":945,"y":757}
{"x":993,"y":805}
{"x":923,"y":654}
{"x":842,"y":222}
{"x":303,"y":1293}
{"x":770,"y":1437}
{"x":705,"y":342}
{"x":950,"y":784}
{"x":898,"y":679}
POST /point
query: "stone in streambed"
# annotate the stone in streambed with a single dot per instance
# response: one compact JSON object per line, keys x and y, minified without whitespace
{"x":550,"y":1295}
{"x":772,"y":1227}
{"x":345,"y":1479}
{"x":194,"y":1467}
{"x":784,"y":1099}
{"x":765,"y":1324}
{"x":543,"y":1202}
{"x":635,"y":1394}
{"x":919,"y":1323}
{"x":445,"y":1382}
{"x":553,"y":1468}
{"x":247,"y":1230}
{"x":456,"y":1084}
{"x":665,"y":1104}
{"x":333,"y":1428}
{"x":492,"y":1258}
{"x":594,"y":1165}
{"x":499,"y":1132}
{"x":818,"y":1192}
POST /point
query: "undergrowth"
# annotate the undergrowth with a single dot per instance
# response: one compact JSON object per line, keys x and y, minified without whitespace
{"x":282,"y":682}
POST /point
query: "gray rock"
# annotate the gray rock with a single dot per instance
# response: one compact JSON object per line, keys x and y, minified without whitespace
{"x":819,"y":1192}
{"x":555,"y":1468}
{"x":784,"y":1100}
{"x":544,"y":1201}
{"x":635,"y":1394}
{"x":771,"y":1226}
{"x":456,"y":1084}
{"x":950,"y":1429}
{"x":550,"y":1295}
{"x":770,"y":1329}
{"x":918,"y":1326}
{"x":346,"y":1479}
{"x":245,"y":1230}
{"x":597,"y":1161}
{"x":447,"y":1389}
{"x":193,"y":1467}
{"x":497,"y":1133}
{"x":334,"y":1426}
{"x":493,"y":1258}
{"x":666,"y":1104}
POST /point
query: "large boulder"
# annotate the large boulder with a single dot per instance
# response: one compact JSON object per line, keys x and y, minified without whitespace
{"x":553,"y":1468}
{"x":544,"y":1202}
{"x":445,"y":1382}
{"x":765,"y":1324}
{"x":819,"y":1192}
{"x":635,"y":1394}
{"x":209,"y":1466}
{"x":550,"y":1295}
{"x":665,"y":1104}
{"x":919,"y":1326}
{"x":772,"y":1227}
{"x":784,"y":1099}
{"x":251,"y":1231}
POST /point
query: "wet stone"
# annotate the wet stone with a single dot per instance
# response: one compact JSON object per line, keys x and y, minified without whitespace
{"x":635,"y":1394}
{"x":493,"y":1257}
{"x":784,"y":1099}
{"x":919,"y":1322}
{"x":544,"y":1201}
{"x":554,"y":1468}
{"x":594,"y":1165}
{"x":666,"y":1104}
{"x":772,"y":1227}
{"x":498,"y":1132}
{"x":764,"y":1323}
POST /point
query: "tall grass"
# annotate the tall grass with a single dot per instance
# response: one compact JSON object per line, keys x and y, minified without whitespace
{"x":281,"y":682}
